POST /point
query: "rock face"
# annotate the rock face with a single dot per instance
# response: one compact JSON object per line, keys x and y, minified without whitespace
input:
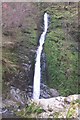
{"x":19,"y":32}
{"x":47,"y":92}
{"x":60,"y":107}
{"x":54,"y":107}
{"x":18,"y":98}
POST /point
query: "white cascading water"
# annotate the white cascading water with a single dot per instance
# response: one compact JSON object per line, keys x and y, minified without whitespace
{"x":37,"y":74}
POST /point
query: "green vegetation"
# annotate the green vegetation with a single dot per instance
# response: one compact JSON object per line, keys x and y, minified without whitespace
{"x":69,"y":112}
{"x":30,"y":111}
{"x":16,"y":51}
{"x":61,"y":53}
{"x":72,"y":109}
{"x":34,"y":111}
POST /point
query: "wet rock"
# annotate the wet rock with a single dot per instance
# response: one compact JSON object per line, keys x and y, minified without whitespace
{"x":15,"y":95}
{"x":33,"y":51}
{"x":26,"y":66}
{"x":8,"y":108}
{"x":8,"y":114}
{"x":29,"y":92}
{"x":17,"y":100}
{"x":54,"y":92}
{"x":46,"y":92}
{"x":43,"y":67}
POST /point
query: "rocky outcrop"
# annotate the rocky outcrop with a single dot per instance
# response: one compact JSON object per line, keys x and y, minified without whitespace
{"x":18,"y":99}
{"x":47,"y":92}
{"x":20,"y":105}
{"x":60,"y":107}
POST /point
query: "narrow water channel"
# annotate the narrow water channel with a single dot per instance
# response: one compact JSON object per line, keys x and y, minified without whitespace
{"x":37,"y":72}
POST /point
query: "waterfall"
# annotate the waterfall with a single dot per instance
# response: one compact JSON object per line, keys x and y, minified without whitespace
{"x":37,"y":73}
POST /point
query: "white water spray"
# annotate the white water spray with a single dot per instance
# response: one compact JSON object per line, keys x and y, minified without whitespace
{"x":37,"y":74}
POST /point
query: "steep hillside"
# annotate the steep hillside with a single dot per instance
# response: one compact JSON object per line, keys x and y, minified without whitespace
{"x":22,"y":26}
{"x":61,"y":47}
